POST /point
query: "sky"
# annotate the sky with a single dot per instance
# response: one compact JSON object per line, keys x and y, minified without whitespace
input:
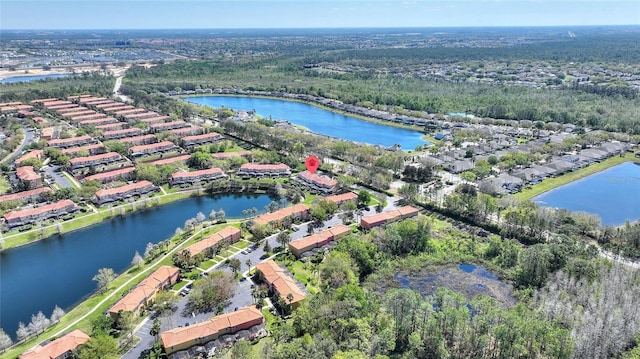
{"x":218,"y":14}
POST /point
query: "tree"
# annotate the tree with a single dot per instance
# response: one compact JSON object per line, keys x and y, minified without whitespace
{"x":148,"y":250}
{"x":5,"y":340}
{"x":200,"y":217}
{"x":39,"y":323}
{"x":235,"y":264}
{"x":102,"y":324}
{"x":57,"y":314}
{"x":149,"y":173}
{"x":137,"y":260}
{"x":241,"y":350}
{"x":283,"y":238}
{"x":363,"y":197}
{"x":336,"y":270}
{"x":211,"y":291}
{"x":178,"y":232}
{"x":100,"y":346}
{"x":23,"y":331}
{"x":410,"y":191}
{"x":164,"y":302}
{"x":155,"y":328}
{"x":103,"y":278}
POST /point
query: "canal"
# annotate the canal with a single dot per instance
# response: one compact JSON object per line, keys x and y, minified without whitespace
{"x":58,"y":270}
{"x":10,"y":80}
{"x":318,"y":120}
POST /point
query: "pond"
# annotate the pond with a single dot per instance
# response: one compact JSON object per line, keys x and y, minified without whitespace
{"x":612,"y":194}
{"x":318,"y":120}
{"x":58,"y":270}
{"x":11,"y":80}
{"x":466,"y":279}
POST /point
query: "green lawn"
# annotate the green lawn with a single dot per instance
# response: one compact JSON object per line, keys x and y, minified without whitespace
{"x":4,"y":185}
{"x":304,"y":274}
{"x":309,"y":198}
{"x":207,"y":264}
{"x":179,"y":285}
{"x":551,"y":183}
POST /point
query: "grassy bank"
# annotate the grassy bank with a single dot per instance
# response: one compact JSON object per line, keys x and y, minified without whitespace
{"x":88,"y":219}
{"x":551,"y":183}
{"x":95,"y":305}
{"x":326,"y":108}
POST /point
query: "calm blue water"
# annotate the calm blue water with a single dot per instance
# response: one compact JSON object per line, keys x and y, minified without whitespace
{"x":318,"y":120}
{"x":11,"y":80}
{"x":613,"y":194}
{"x":58,"y":270}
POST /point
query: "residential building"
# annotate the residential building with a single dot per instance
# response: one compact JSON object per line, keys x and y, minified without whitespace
{"x":228,"y":234}
{"x":165,"y":126}
{"x":131,"y":117}
{"x":130,"y":111}
{"x":296,"y":212}
{"x":318,"y":240}
{"x":182,"y":338}
{"x":187,"y":178}
{"x":31,"y":215}
{"x":90,"y":116}
{"x":316,"y":182}
{"x":28,"y":177}
{"x":155,"y":119}
{"x":153,"y":148}
{"x":95,"y":160}
{"x":72,"y":142}
{"x":123,"y":192}
{"x":280,"y":282}
{"x":47,"y":133}
{"x":98,"y":122}
{"x":60,"y":348}
{"x":385,"y":218}
{"x":91,"y":149}
{"x":125,"y":174}
{"x":143,"y":294}
{"x":138,"y":140}
{"x":224,"y":155}
{"x":129,"y":132}
{"x":168,"y":160}
{"x":341,"y":198}
{"x":188,"y":131}
{"x":117,"y":107}
{"x":196,"y":140}
{"x":34,"y":195}
{"x":38,"y":154}
{"x":112,"y":126}
{"x":264,"y":170}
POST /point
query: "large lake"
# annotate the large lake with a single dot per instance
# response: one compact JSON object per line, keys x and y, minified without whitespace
{"x":11,"y":80}
{"x":613,"y":194}
{"x":58,"y":270}
{"x":318,"y":120}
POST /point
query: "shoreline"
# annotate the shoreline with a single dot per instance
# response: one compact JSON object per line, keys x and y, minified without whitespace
{"x":550,"y":184}
{"x":95,"y":218}
{"x":320,"y":106}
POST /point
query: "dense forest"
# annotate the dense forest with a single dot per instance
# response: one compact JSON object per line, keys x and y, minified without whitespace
{"x":611,"y":107}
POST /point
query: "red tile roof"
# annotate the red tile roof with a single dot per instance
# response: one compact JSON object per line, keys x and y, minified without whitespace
{"x":317,"y":179}
{"x":33,"y":154}
{"x":39,"y":210}
{"x":145,"y":290}
{"x":209,"y":171}
{"x":101,"y":156}
{"x":265,"y":167}
{"x":69,"y":140}
{"x":217,"y":324}
{"x":27,"y":173}
{"x":281,"y":214}
{"x":24,"y":194}
{"x":57,"y":347}
{"x":225,"y":234}
{"x":339,"y":198}
{"x":164,"y":161}
{"x":123,"y":189}
{"x":281,"y":281}
{"x":109,"y":174}
{"x":151,"y":146}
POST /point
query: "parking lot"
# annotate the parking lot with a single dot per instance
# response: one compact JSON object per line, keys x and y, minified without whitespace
{"x":242,"y":294}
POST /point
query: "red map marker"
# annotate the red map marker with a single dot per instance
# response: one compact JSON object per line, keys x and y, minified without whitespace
{"x":312,"y":163}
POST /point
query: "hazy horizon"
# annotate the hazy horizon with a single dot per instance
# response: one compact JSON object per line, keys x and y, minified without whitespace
{"x":311,"y":14}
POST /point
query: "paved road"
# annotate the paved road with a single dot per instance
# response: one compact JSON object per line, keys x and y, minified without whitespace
{"x":29,"y":135}
{"x":242,"y":294}
{"x":54,"y":172}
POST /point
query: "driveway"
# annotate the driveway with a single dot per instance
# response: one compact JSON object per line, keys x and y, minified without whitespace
{"x":54,"y":172}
